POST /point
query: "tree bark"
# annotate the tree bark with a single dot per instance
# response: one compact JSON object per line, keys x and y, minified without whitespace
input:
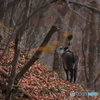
{"x":92,"y":56}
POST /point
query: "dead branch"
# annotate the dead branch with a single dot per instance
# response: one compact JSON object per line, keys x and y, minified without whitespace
{"x":4,"y":73}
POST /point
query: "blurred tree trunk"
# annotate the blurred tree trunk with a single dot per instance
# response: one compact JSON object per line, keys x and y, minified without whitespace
{"x":99,"y":41}
{"x":92,"y":55}
{"x":72,"y":20}
{"x":84,"y":52}
{"x":1,"y":9}
{"x":85,"y":48}
{"x":57,"y":64}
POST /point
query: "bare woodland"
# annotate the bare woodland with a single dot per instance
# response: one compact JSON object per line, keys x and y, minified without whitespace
{"x":38,"y":27}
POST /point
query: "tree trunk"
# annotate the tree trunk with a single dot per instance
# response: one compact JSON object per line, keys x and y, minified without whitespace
{"x":92,"y":56}
{"x":57,"y":63}
{"x":71,"y":24}
{"x":12,"y":77}
{"x":1,"y":9}
{"x":85,"y":48}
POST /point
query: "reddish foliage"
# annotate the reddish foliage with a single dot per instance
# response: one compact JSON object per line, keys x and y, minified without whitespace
{"x":42,"y":83}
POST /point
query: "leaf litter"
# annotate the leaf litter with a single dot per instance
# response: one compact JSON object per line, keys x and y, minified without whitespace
{"x":43,"y":83}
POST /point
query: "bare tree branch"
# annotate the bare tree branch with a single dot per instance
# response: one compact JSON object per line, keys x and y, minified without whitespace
{"x":37,"y":53}
{"x":89,"y":7}
{"x":33,"y":15}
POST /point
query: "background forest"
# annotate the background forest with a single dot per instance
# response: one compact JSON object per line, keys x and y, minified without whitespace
{"x":30,"y":31}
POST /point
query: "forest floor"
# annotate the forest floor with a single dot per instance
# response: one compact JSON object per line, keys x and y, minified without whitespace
{"x":41,"y":83}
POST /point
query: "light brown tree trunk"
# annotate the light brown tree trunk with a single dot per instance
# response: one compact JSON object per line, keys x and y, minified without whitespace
{"x":92,"y":56}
